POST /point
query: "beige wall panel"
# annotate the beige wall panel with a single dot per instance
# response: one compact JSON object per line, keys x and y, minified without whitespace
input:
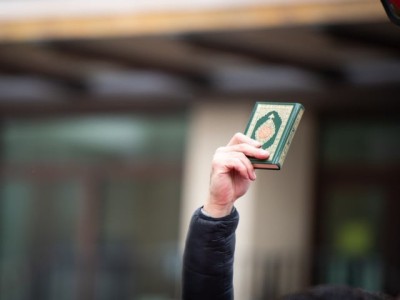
{"x":211,"y":126}
{"x":274,"y":215}
{"x":283,"y":209}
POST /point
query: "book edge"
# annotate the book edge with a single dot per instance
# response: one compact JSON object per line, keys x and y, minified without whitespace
{"x":297,"y":108}
{"x":295,"y":125}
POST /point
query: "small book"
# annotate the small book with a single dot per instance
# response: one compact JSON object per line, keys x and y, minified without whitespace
{"x":274,"y":124}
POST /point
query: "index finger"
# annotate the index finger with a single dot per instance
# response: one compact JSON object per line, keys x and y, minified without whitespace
{"x":240,"y":138}
{"x":246,"y":149}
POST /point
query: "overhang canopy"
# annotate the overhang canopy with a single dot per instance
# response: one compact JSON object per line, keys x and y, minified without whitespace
{"x":46,"y":19}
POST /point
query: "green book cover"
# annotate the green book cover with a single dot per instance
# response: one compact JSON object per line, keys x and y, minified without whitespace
{"x":274,"y":125}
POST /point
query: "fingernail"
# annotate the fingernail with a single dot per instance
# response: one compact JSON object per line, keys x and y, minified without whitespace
{"x":257,"y":143}
{"x":254,"y":175}
{"x":264,"y":152}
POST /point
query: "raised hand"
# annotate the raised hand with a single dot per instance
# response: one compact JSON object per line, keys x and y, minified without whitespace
{"x":232,"y":173}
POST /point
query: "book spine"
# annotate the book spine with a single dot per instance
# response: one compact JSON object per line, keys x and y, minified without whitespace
{"x":291,"y":135}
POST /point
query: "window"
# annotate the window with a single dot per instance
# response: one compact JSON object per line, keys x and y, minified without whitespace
{"x":89,"y":207}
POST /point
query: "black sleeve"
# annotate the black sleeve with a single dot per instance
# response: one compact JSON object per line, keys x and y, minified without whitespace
{"x":208,"y":257}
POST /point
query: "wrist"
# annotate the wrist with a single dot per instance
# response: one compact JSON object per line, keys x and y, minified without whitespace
{"x":218,"y":210}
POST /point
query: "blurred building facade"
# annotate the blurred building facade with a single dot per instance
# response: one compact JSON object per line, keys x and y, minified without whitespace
{"x":110,"y":116}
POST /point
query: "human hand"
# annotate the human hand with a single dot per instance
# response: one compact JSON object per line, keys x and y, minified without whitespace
{"x":232,"y":173}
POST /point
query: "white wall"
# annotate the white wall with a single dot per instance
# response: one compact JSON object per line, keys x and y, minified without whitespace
{"x":284,"y":207}
{"x":274,"y":223}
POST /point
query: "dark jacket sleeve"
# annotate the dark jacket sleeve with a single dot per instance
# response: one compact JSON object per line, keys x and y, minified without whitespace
{"x":208,"y":257}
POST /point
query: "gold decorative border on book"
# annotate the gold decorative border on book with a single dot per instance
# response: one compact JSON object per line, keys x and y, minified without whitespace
{"x":290,"y":138}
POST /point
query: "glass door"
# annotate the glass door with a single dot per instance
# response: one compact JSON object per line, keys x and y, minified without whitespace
{"x":357,"y":207}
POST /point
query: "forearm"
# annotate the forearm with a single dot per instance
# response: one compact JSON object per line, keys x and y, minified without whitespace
{"x":208,"y":257}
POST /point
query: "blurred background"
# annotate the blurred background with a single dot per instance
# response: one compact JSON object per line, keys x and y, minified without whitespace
{"x":110,"y":112}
